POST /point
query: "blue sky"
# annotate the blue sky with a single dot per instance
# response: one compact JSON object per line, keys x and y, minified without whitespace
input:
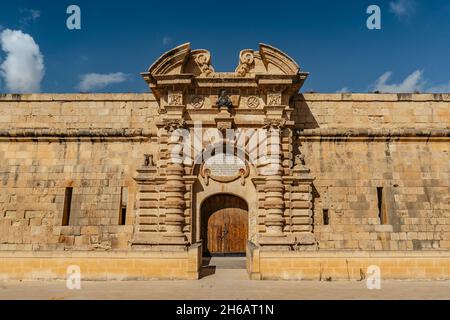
{"x":329,"y":39}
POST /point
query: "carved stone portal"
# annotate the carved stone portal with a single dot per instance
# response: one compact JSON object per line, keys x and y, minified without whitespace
{"x":212,"y":109}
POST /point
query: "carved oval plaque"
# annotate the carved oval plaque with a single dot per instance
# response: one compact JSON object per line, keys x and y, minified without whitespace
{"x":224,"y":168}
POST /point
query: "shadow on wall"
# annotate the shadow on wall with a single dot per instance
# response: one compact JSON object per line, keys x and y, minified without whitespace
{"x":302,"y":115}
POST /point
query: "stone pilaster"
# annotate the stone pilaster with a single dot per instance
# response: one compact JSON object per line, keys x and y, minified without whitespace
{"x":301,"y":214}
{"x":174,"y":187}
{"x":274,"y":237}
{"x":149,"y":222}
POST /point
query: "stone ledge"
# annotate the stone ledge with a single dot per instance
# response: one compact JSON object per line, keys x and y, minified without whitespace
{"x":95,"y":266}
{"x":349,"y":265}
{"x":370,"y":97}
{"x":29,"y":134}
{"x":357,"y":254}
{"x":407,"y":132}
{"x":113,"y":254}
{"x":373,"y":97}
{"x":77,"y":97}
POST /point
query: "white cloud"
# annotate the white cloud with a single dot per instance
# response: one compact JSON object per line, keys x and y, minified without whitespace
{"x":96,"y":81}
{"x":442,"y":88}
{"x":403,"y":9}
{"x":415,"y":82}
{"x":23,"y":68}
{"x":343,"y":90}
{"x":29,"y":15}
{"x":412,"y":83}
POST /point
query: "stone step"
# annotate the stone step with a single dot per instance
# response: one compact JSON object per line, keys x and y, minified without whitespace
{"x":225,"y":262}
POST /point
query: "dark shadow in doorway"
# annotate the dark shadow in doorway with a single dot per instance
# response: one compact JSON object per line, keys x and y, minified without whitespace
{"x":206,"y":269}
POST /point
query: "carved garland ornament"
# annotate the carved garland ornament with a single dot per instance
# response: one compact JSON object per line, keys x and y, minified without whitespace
{"x":174,"y":124}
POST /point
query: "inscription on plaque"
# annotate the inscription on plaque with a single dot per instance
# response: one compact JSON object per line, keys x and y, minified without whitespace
{"x":225,"y":168}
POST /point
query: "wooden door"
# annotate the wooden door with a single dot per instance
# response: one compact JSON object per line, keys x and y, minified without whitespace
{"x":225,"y":225}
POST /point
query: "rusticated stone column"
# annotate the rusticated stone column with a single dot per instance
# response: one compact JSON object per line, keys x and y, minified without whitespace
{"x":274,"y":203}
{"x":274,"y":206}
{"x":301,"y":205}
{"x":274,"y":238}
{"x":174,"y":187}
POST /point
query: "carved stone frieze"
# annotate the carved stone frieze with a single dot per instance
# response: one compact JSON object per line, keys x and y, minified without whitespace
{"x":175,"y":99}
{"x":170,"y":125}
{"x":274,"y":99}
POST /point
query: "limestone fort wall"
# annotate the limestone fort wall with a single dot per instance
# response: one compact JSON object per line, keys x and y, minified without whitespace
{"x":93,"y":143}
{"x":353,"y":144}
{"x":357,"y":143}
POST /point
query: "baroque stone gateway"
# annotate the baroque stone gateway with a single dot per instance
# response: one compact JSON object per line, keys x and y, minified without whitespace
{"x":306,"y":186}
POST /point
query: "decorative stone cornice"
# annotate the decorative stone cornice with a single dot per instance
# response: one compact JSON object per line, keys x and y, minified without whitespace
{"x":374,"y":133}
{"x":43,"y":133}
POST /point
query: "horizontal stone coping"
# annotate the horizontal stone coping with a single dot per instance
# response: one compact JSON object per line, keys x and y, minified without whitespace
{"x":356,"y":254}
{"x":70,"y":97}
{"x":328,"y":132}
{"x":147,"y":133}
{"x":94,"y":254}
{"x":369,"y":97}
{"x":373,"y":97}
{"x":400,"y":132}
{"x":264,"y":254}
{"x":98,"y":133}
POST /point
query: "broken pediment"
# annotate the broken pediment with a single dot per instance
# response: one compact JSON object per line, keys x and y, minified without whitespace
{"x":182,"y":60}
{"x":268,"y":60}
{"x":172,"y":61}
{"x":182,"y":69}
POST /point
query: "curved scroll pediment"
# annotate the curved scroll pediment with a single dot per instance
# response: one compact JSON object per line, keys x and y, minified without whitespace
{"x":276,"y":60}
{"x":183,"y":60}
{"x":172,"y":61}
{"x":268,"y":60}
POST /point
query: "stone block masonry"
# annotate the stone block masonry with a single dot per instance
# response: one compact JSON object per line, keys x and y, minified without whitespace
{"x":350,"y":265}
{"x":101,"y":266}
{"x":91,"y":143}
{"x":95,"y":143}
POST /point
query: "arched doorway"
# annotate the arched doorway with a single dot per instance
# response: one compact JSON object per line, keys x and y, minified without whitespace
{"x":224,"y":225}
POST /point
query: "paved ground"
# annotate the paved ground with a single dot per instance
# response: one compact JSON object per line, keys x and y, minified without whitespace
{"x":226,"y":281}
